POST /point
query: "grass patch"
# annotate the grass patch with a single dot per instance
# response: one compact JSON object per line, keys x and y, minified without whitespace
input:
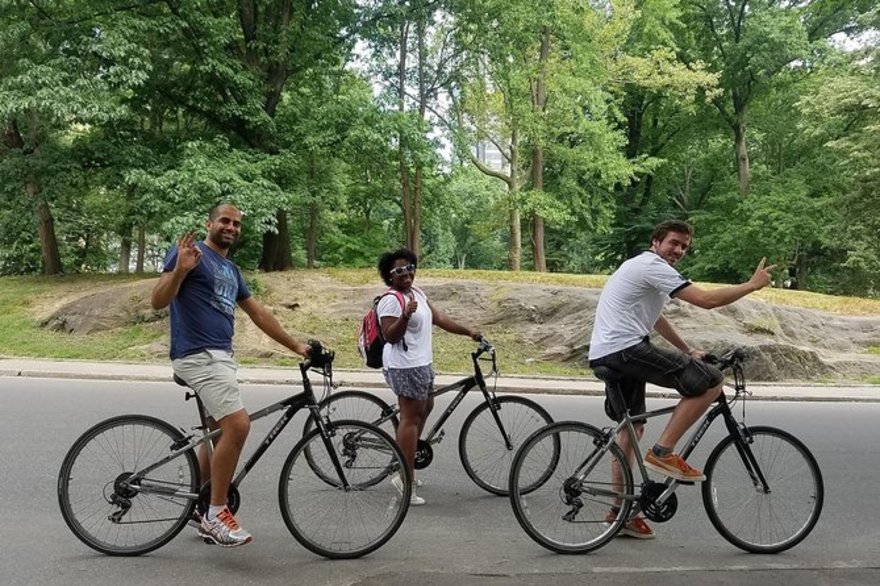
{"x":24,"y":299}
{"x":764,"y":325}
{"x":21,"y":334}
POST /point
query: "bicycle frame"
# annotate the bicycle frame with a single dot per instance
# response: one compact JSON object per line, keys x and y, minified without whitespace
{"x":464,"y":386}
{"x":291,"y":405}
{"x":722,"y":409}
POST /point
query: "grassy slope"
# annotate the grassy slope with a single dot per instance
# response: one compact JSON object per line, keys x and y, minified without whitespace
{"x":23,"y":298}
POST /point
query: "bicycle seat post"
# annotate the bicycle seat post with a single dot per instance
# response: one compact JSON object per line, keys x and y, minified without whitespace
{"x":620,"y":412}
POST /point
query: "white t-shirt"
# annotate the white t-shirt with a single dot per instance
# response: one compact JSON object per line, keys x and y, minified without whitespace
{"x":631,"y":302}
{"x":418,"y":336}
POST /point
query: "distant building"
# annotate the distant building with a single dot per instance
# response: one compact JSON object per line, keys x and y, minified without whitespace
{"x":487,"y":153}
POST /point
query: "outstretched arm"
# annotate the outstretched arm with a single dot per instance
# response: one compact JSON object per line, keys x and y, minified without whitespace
{"x":264,"y":320}
{"x":726,"y":295}
{"x":669,"y":333}
{"x":444,"y":322}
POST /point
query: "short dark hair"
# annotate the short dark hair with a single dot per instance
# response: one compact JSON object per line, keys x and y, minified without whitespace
{"x":386,"y":262}
{"x":677,"y":226}
{"x":215,"y":210}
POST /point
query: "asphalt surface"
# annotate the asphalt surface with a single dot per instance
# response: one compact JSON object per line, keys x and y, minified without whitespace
{"x":461,"y":537}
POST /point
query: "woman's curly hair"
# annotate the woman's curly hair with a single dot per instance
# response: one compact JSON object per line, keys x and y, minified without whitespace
{"x":386,"y":262}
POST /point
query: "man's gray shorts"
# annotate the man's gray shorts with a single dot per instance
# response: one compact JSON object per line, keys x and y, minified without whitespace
{"x":644,"y":362}
{"x":211,"y":374}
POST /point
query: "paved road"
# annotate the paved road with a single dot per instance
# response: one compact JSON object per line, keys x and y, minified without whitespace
{"x":462,"y":537}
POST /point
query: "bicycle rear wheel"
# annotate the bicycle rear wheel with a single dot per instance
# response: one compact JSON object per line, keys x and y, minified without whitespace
{"x":359,"y":406}
{"x":351,"y":405}
{"x":568,"y":511}
{"x":484,"y":453}
{"x":747,"y":516}
{"x":329,"y":519}
{"x":116,"y":517}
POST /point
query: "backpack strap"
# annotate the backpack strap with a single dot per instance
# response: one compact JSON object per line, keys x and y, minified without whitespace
{"x":402,"y":301}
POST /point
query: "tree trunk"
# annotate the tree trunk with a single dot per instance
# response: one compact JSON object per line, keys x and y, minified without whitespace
{"x":537,"y":221}
{"x":312,"y":235}
{"x":142,"y":249}
{"x":46,"y":232}
{"x":276,"y":246}
{"x":406,"y":202}
{"x":125,"y":253}
{"x":514,"y":247}
{"x":742,"y":153}
{"x":539,"y":104}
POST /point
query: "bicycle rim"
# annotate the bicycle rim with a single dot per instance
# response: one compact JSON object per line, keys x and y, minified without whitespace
{"x":484,"y":453}
{"x":566,"y":513}
{"x":105,"y":513}
{"x":743,"y":513}
{"x":328,"y":519}
{"x":357,"y":406}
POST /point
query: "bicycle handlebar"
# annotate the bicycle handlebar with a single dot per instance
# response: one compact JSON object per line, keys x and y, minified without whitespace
{"x":731,"y":358}
{"x":319,"y":357}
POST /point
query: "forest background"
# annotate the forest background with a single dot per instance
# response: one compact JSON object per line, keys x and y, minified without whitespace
{"x":494,"y":134}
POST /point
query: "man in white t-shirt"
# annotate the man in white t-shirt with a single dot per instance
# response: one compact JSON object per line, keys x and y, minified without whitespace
{"x":629,"y":309}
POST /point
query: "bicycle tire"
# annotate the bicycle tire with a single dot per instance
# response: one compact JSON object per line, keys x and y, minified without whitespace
{"x":548,"y":512}
{"x":755,"y":521}
{"x":359,"y":406}
{"x":481,"y":447}
{"x":352,"y":405}
{"x":342,"y":523}
{"x":90,"y":477}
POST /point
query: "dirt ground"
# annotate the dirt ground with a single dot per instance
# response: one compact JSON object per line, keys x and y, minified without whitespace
{"x":786,"y":343}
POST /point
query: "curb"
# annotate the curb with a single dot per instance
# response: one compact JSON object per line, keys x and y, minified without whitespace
{"x":501,"y":388}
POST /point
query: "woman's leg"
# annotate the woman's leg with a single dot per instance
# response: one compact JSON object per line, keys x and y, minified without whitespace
{"x":412,"y":416}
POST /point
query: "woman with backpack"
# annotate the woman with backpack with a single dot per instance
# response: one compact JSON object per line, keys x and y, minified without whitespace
{"x":406,"y":318}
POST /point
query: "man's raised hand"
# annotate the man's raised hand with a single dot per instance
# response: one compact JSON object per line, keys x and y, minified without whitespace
{"x":188,"y":254}
{"x":762,"y":277}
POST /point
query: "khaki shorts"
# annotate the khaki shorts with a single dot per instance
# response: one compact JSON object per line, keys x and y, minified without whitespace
{"x":211,"y":374}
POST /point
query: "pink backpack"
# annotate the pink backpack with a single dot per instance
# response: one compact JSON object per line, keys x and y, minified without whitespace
{"x":369,"y":336}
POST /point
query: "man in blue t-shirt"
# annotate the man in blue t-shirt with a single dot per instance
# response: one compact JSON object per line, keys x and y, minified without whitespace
{"x":203,"y":287}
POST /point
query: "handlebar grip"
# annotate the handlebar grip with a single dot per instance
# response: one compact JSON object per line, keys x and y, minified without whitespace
{"x":318,"y":355}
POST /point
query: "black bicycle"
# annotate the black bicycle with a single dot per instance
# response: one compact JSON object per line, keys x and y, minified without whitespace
{"x":763,"y":490}
{"x":131,"y":483}
{"x":489,"y":437}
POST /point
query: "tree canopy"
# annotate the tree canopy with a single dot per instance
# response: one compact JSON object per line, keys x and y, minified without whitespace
{"x":481,"y":134}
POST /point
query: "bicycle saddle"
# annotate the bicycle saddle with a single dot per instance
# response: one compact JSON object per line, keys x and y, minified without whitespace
{"x":607,"y":374}
{"x":180,"y":381}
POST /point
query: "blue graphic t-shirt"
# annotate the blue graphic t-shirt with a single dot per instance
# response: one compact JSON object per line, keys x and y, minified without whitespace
{"x":203,"y":312}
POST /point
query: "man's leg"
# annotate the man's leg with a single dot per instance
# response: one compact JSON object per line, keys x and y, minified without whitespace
{"x":227,"y":450}
{"x":686,"y":413}
{"x":661,"y":458}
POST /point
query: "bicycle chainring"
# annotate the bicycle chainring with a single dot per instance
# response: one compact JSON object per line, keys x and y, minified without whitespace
{"x":424,"y":454}
{"x":233,"y":498}
{"x":653,"y":510}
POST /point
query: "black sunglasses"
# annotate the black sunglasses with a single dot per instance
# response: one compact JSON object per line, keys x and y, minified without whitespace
{"x":403,"y":270}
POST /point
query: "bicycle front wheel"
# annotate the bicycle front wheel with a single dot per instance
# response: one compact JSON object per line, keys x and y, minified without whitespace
{"x":484,"y":453}
{"x":353,"y":515}
{"x":567,"y":509}
{"x":746,"y":515}
{"x":116,"y":516}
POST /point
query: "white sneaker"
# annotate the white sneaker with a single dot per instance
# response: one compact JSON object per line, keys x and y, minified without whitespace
{"x":414,"y":499}
{"x":224,"y":530}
